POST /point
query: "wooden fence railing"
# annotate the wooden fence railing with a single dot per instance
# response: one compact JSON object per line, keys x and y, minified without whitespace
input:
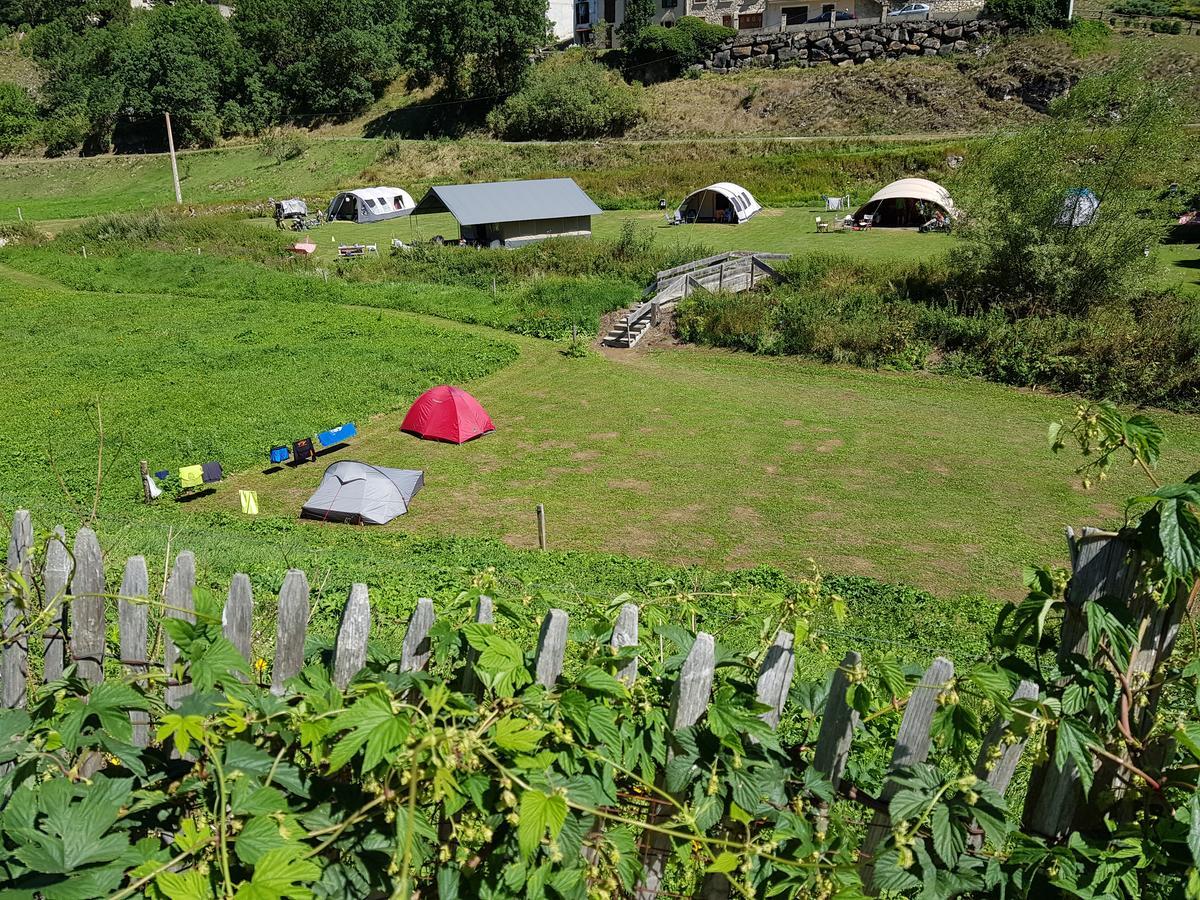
{"x":74,"y":597}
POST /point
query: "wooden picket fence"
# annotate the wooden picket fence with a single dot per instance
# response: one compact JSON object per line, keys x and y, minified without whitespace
{"x":74,"y":591}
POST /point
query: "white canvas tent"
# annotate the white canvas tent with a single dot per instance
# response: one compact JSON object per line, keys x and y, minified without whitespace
{"x":720,"y":202}
{"x":363,"y":494}
{"x":373,"y":204}
{"x":1079,"y":207}
{"x":907,"y":203}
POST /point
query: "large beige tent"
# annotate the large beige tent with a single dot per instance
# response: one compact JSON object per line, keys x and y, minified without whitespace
{"x":907,"y":203}
{"x":720,"y":202}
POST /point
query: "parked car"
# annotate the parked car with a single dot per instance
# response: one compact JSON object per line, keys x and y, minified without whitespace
{"x":912,"y":9}
{"x":842,"y":16}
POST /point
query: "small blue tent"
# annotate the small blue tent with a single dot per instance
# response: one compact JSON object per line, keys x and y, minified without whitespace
{"x":1079,"y":207}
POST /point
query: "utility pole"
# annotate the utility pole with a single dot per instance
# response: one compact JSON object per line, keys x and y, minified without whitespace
{"x":174,"y":166}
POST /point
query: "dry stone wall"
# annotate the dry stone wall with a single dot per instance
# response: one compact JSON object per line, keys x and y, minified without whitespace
{"x":850,"y":46}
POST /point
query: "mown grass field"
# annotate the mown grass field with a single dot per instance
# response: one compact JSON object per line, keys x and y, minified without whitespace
{"x":682,"y":456}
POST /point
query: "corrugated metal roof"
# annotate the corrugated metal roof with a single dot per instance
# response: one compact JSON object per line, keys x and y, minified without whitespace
{"x":508,"y":201}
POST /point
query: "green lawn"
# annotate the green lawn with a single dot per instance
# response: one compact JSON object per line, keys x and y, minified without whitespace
{"x":783,"y":230}
{"x":680,"y":456}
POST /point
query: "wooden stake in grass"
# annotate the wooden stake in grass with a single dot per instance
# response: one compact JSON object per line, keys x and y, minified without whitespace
{"x":541,"y":519}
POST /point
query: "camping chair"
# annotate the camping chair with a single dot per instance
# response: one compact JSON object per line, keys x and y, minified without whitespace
{"x":822,"y":227}
{"x":691,"y":216}
{"x":303,"y":450}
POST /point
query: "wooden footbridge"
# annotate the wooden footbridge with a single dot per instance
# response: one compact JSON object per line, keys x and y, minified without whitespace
{"x":736,"y":271}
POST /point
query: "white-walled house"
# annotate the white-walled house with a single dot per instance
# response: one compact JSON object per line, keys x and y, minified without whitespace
{"x":744,"y":15}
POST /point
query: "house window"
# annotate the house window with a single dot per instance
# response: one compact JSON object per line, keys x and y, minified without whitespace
{"x":610,"y":11}
{"x":583,"y":13}
{"x":749,"y":20}
{"x":669,"y":4}
{"x":828,"y":8}
{"x":727,"y":21}
{"x":795,"y":15}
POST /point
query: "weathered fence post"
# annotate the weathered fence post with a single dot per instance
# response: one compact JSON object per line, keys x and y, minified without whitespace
{"x":238,"y":614}
{"x":912,"y":747}
{"x":56,"y":575}
{"x":774,"y":684}
{"x":414,"y":655}
{"x":689,"y":699}
{"x":291,"y":629}
{"x":483,"y":616}
{"x":998,"y":758}
{"x":541,"y":526}
{"x":775,"y":677}
{"x":14,"y":664}
{"x":180,"y":604}
{"x":552,"y":646}
{"x":350,"y":652}
{"x":132,"y":623}
{"x":87,"y":607}
{"x":625,"y":634}
{"x":1105,"y":565}
{"x":837,"y":728}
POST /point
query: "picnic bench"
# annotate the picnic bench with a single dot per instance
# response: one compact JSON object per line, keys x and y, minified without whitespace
{"x":348,"y":251}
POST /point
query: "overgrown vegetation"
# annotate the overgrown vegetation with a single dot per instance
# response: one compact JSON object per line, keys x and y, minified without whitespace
{"x":1144,"y":349}
{"x":569,"y":96}
{"x":1025,"y":248}
{"x":656,"y":51}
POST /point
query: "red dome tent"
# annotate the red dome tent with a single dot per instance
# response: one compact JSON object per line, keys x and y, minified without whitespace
{"x":446,"y":413}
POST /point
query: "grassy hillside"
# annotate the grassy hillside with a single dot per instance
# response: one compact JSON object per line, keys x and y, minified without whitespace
{"x":616,"y":174}
{"x":683,"y":456}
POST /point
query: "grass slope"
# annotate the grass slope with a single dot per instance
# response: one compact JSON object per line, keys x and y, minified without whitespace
{"x":181,"y":380}
{"x":616,"y":173}
{"x":683,"y":456}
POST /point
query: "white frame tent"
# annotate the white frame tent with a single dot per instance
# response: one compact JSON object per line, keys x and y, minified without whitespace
{"x":373,"y":204}
{"x":704,"y":202}
{"x":904,"y":196}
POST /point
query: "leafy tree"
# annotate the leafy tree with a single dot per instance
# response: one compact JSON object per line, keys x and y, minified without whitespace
{"x":568,"y":96}
{"x":638,"y":15}
{"x":657,"y":51}
{"x":18,"y":118}
{"x":481,"y":44}
{"x":81,"y":92}
{"x":1028,"y":13}
{"x":182,"y":59}
{"x":1117,"y":134}
{"x":323,"y":58}
{"x":79,"y":14}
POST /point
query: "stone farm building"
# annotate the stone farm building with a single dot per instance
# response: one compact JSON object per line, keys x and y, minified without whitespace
{"x":744,"y":15}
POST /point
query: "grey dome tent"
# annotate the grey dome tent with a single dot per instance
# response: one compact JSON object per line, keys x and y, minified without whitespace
{"x":363,"y":494}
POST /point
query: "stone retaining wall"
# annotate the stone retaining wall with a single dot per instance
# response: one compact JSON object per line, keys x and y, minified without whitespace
{"x":850,"y":46}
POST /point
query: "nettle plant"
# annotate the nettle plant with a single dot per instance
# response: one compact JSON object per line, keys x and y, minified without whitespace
{"x":470,"y":779}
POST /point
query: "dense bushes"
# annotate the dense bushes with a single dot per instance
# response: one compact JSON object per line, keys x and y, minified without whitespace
{"x":1025,"y":247}
{"x":1028,"y":13}
{"x":1145,"y":349}
{"x":568,"y":96}
{"x":19,"y":126}
{"x":658,"y":51}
